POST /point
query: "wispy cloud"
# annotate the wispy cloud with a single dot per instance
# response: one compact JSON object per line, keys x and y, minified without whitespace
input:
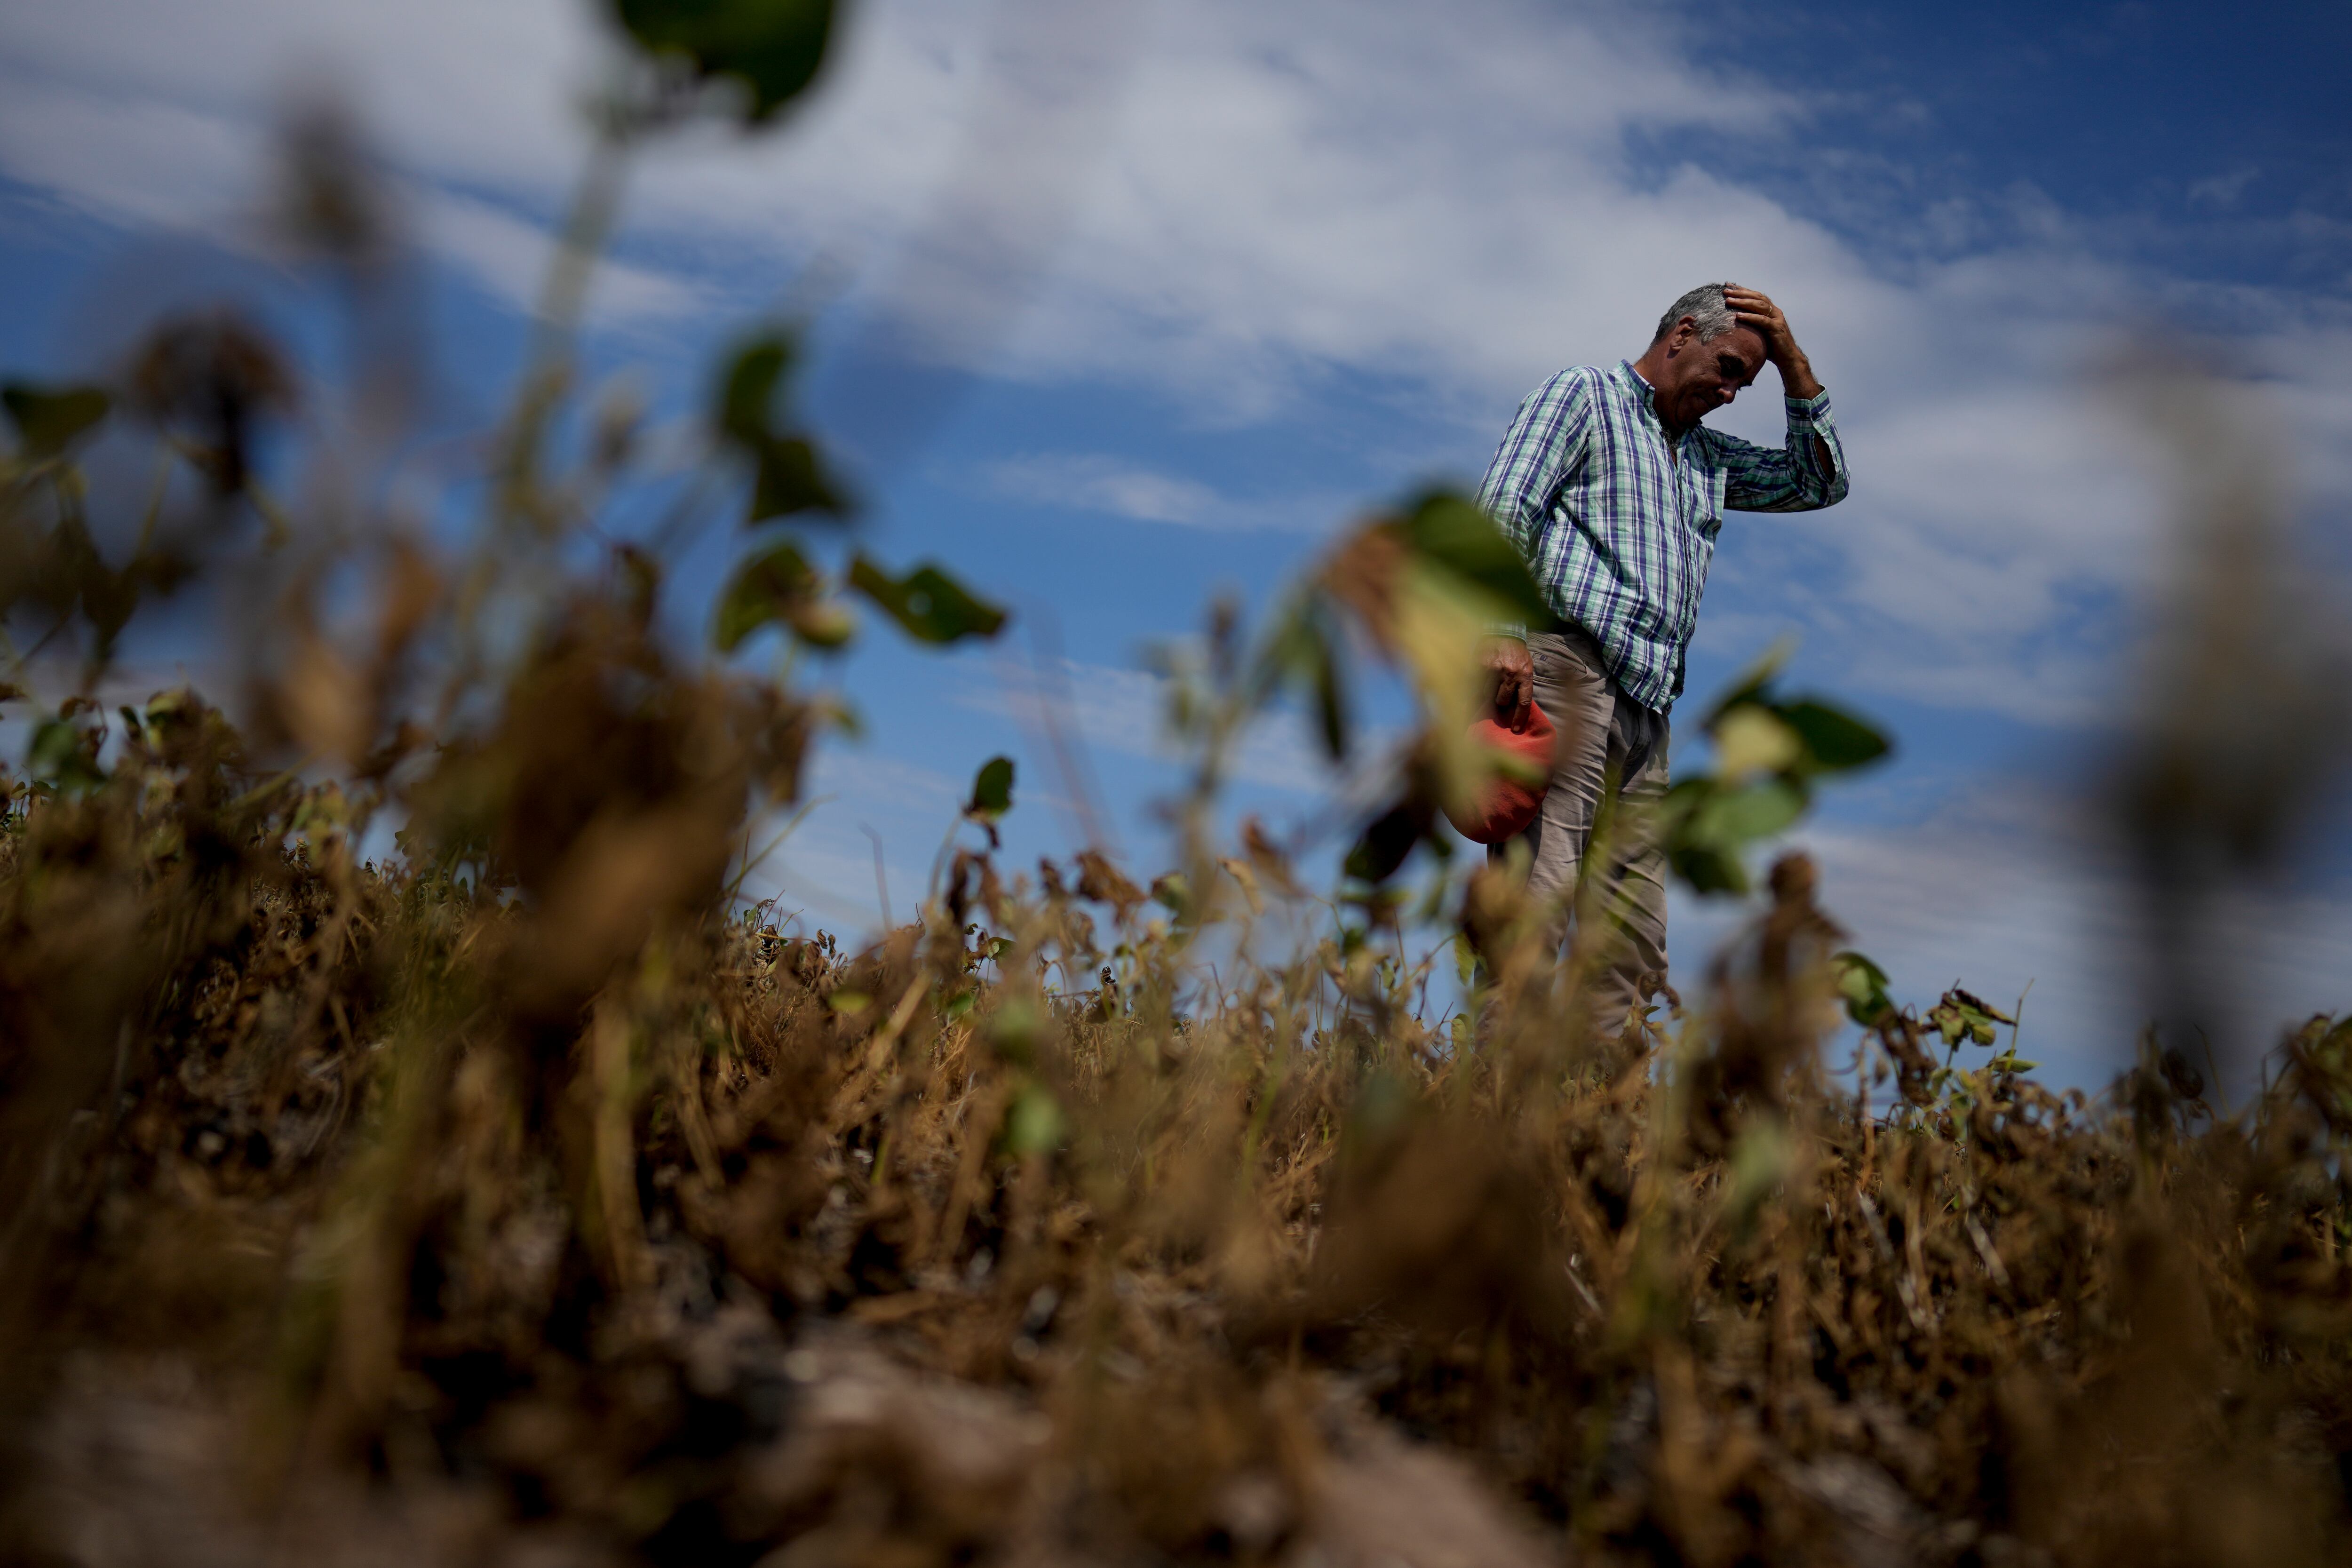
{"x":2007,"y":890}
{"x":509,"y":255}
{"x":2223,"y":191}
{"x":1084,"y":481}
{"x":1126,"y":711}
{"x":1104,"y":484}
{"x":165,"y":164}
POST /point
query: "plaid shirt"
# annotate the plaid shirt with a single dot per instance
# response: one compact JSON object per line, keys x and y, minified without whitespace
{"x":1618,"y":533}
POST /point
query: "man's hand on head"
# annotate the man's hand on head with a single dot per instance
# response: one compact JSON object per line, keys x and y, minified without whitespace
{"x":1756,"y":311}
{"x":1515,"y":680}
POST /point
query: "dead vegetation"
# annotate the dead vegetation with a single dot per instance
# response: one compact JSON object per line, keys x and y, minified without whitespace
{"x":346,"y":1222}
{"x":520,"y":1196}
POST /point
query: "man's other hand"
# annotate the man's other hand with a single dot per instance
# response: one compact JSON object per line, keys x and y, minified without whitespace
{"x":1515,"y":680}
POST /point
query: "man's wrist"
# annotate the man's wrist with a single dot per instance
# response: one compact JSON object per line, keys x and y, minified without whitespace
{"x":1797,"y":377}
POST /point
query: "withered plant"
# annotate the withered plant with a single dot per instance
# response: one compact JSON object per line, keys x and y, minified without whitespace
{"x":519,"y":1194}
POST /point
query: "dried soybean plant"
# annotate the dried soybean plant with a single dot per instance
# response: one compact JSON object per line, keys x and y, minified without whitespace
{"x":513,"y":1196}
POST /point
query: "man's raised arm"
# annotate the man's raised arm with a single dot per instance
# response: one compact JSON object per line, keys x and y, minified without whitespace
{"x":1809,"y":472}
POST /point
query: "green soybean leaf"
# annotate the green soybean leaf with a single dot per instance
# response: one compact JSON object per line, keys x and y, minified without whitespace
{"x":1452,"y":533}
{"x":49,"y":420}
{"x":790,"y":476}
{"x":1752,"y":738}
{"x":1976,"y":1005}
{"x":65,"y":755}
{"x":1173,"y":893}
{"x":992,"y":789}
{"x":1708,"y":869}
{"x":1962,"y":1014}
{"x":1014,"y":1029}
{"x":779,"y":587}
{"x":1836,"y":739}
{"x":1750,"y":685}
{"x":1299,"y":649}
{"x":774,"y":48}
{"x":930,"y":604}
{"x":1330,"y":702}
{"x":1743,"y":816}
{"x":1035,"y":1123}
{"x":1383,"y":846}
{"x":1863,"y":986}
{"x":746,"y":394}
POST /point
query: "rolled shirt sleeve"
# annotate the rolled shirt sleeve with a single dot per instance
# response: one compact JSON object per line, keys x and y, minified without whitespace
{"x":1758,"y":479}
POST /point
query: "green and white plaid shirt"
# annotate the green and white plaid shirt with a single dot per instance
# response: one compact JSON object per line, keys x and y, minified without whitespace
{"x":1618,"y":527}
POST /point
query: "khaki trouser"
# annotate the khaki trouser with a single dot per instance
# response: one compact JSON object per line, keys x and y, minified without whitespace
{"x":1621,"y":910}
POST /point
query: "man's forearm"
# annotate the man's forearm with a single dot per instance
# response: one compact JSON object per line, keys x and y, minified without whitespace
{"x":1797,"y":378}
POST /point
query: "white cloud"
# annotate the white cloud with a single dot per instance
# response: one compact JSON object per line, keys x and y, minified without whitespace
{"x":152,"y":161}
{"x":2222,"y":191}
{"x":826,"y":866}
{"x":509,"y":256}
{"x":1126,"y":712}
{"x":1095,"y":481}
{"x":2007,"y":891}
{"x":1234,"y":203}
{"x":1101,"y":482}
{"x":165,"y":164}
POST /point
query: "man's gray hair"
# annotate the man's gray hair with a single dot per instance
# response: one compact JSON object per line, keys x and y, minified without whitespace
{"x":1703,"y":305}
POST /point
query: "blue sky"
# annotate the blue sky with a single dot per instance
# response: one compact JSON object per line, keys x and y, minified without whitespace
{"x":1118,"y":308}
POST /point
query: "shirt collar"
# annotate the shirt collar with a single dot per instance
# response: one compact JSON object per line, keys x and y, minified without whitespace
{"x":1637,"y":390}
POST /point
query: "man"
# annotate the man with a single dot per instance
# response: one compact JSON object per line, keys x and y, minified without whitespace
{"x":1614,"y":491}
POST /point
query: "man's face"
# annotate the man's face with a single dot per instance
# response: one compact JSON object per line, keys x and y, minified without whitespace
{"x":1701,"y":377}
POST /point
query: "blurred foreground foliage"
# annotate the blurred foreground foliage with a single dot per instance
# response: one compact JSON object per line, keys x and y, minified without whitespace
{"x":523,"y":1197}
{"x":518,"y":1202}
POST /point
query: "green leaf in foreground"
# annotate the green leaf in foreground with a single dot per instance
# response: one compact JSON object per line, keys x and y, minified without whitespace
{"x":747,"y":393}
{"x":1452,"y":533}
{"x":930,"y":604}
{"x":1733,"y":818}
{"x":1834,"y":739}
{"x":788,"y":477}
{"x":791,"y":478}
{"x":1751,"y":684}
{"x":773,"y":47}
{"x":1034,"y":1124}
{"x":64,"y":754}
{"x":1863,"y":986}
{"x":779,"y":587}
{"x":1383,"y":846}
{"x":1301,"y":648}
{"x":1768,"y":753}
{"x":1964,"y":1016}
{"x":992,"y":789}
{"x":1706,"y":868}
{"x":48,"y":421}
